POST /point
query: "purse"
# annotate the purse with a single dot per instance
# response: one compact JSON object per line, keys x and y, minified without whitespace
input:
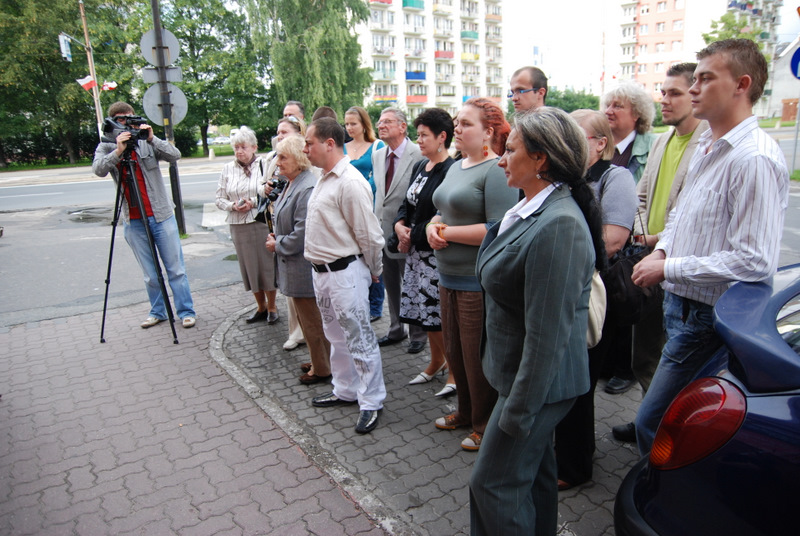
{"x":627,"y":302}
{"x":597,"y":311}
{"x":263,"y":202}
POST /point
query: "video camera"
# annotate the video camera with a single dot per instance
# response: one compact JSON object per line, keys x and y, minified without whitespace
{"x":112,"y":129}
{"x":278,"y":185}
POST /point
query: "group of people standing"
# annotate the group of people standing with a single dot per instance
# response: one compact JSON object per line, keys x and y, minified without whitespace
{"x":489,"y":256}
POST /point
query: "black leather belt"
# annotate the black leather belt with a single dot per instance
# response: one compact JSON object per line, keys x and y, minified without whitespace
{"x":335,"y":266}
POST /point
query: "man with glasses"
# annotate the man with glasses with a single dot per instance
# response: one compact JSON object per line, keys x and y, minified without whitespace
{"x":391,"y":167}
{"x":528,"y":89}
{"x":157,"y":208}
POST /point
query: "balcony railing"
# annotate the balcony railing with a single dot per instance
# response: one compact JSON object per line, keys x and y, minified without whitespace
{"x":387,"y":99}
{"x":415,"y":53}
{"x":379,"y":2}
{"x":469,"y":34}
{"x":415,"y":75}
{"x":414,"y":4}
{"x":469,"y":78}
{"x":382,"y":51}
{"x":383,"y":75}
{"x":442,"y":77}
{"x":442,"y":9}
{"x":469,"y":56}
{"x":416,"y":99}
{"x":444,"y":55}
{"x":494,"y":17}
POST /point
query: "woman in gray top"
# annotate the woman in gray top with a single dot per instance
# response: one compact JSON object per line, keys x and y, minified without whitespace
{"x":473,"y":195}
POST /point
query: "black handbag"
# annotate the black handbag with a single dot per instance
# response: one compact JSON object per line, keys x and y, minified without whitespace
{"x":263,"y":202}
{"x":627,"y":303}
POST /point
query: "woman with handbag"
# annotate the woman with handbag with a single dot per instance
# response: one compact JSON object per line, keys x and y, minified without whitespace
{"x":616,"y":192}
{"x":419,"y":298}
{"x":237,"y":193}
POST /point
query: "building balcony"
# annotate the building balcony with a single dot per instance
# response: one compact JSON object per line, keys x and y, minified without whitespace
{"x":469,"y":56}
{"x":442,"y":9}
{"x":383,"y":75}
{"x":416,"y":30}
{"x":414,"y":4}
{"x":415,"y":53}
{"x":494,"y":59}
{"x":493,"y":17}
{"x":470,"y":78}
{"x":415,"y":75}
{"x":492,"y":37}
{"x":381,"y":26}
{"x":494,"y":80}
{"x":385,"y":99}
{"x":416,"y":99}
{"x":443,"y":32}
{"x":469,"y":34}
{"x":443,"y":77}
{"x":380,"y":3}
{"x":382,"y":51}
{"x":444,"y":55}
{"x":445,"y":100}
{"x":469,"y":13}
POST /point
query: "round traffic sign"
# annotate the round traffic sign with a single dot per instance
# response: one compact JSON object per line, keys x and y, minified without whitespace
{"x":152,"y":104}
{"x":171,"y":52}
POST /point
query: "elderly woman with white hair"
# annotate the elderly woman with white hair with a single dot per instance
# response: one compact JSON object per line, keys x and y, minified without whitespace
{"x":237,"y":194}
{"x":288,"y":243}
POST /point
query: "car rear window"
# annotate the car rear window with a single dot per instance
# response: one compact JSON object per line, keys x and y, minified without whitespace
{"x":788,"y":323}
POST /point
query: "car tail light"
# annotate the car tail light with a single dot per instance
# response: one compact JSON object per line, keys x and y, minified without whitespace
{"x":702,"y":418}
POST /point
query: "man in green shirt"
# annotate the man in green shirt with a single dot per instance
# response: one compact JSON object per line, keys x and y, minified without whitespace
{"x":658,"y":191}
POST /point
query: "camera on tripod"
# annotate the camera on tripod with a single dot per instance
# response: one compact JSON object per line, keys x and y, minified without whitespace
{"x":277,"y":187}
{"x":113,"y":128}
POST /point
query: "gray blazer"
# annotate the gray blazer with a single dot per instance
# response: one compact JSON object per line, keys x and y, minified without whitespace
{"x":289,"y":221}
{"x":647,"y":186}
{"x":388,"y":203}
{"x":536,"y":278}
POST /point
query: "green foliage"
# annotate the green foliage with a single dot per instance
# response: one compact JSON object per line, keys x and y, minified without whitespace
{"x":570,"y":100}
{"x":314,"y":53}
{"x":729,"y":26}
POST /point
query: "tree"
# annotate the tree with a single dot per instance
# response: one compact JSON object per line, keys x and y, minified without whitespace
{"x":729,"y":26}
{"x":313,"y":51}
{"x":570,"y":100}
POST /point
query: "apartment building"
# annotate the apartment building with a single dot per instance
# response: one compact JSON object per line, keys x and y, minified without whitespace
{"x":427,"y":53}
{"x":655,"y":34}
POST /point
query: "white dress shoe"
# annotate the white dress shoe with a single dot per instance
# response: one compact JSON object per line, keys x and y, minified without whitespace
{"x":425,"y":378}
{"x":447,"y":390}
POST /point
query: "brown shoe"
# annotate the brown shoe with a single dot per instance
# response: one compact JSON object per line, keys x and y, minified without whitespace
{"x":449,"y":422}
{"x":472,"y":442}
{"x":305,"y":367}
{"x":308,"y":379}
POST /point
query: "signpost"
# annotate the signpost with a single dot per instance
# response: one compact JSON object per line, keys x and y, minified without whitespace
{"x":795,"y":65}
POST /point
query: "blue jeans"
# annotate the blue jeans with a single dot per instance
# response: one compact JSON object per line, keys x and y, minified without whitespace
{"x":376,"y":296}
{"x":168,"y":245}
{"x":691,"y":342}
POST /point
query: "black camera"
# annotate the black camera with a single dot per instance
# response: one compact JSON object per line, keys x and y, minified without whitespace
{"x":278,"y":185}
{"x":113,"y":128}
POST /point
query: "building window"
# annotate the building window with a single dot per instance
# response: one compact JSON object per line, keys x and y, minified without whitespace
{"x":679,"y":4}
{"x":660,"y":27}
{"x":677,"y":25}
{"x":659,"y":47}
{"x":657,"y":87}
{"x":642,"y":49}
{"x":645,"y":10}
{"x":643,"y":30}
{"x":659,"y":67}
{"x":661,"y":7}
{"x":642,"y":68}
{"x":677,"y":46}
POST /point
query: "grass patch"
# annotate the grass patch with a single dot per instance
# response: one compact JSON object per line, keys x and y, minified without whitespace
{"x":184,"y":236}
{"x":795,"y":176}
{"x":231,"y":258}
{"x":771,"y":123}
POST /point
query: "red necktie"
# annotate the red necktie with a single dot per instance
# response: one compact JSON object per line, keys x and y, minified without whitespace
{"x":390,"y":171}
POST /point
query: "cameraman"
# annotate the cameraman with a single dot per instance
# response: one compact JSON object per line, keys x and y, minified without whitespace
{"x":145,"y":155}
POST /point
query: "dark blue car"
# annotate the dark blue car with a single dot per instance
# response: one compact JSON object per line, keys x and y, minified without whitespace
{"x":726,"y":457}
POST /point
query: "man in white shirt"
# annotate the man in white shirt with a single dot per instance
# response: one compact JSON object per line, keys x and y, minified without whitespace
{"x":528,"y":89}
{"x":726,"y":226}
{"x":343,"y":244}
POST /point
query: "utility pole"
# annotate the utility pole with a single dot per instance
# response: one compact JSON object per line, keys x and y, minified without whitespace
{"x":90,"y":57}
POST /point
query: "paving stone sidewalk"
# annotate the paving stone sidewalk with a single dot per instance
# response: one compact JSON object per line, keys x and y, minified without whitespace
{"x":142,"y":436}
{"x":407,"y":473}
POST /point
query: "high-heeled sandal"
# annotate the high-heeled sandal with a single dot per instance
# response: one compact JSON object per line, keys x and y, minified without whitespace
{"x":425,"y":378}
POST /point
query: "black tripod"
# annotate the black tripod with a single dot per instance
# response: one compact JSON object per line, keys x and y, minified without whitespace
{"x":128,"y":176}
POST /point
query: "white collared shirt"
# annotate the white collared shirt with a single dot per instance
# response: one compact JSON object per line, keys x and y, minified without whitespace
{"x":728,"y":222}
{"x":623,"y":145}
{"x":524,"y":208}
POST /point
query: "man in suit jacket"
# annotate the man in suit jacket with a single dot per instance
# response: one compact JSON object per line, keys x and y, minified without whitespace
{"x":658,"y":191}
{"x":391,"y":167}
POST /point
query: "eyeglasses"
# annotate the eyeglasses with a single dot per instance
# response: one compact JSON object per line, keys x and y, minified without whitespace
{"x":513,"y":92}
{"x":292,"y":119}
{"x":386,"y":122}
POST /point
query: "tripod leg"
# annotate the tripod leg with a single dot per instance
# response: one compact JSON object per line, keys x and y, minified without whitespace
{"x":117,"y":210}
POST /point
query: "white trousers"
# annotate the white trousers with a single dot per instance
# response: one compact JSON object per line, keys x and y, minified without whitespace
{"x":343,"y":300}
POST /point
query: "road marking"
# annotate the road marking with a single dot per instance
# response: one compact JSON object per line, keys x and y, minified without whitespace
{"x":30,"y":195}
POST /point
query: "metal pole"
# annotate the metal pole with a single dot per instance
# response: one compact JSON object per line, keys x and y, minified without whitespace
{"x":90,"y":57}
{"x":796,"y":127}
{"x":166,"y":113}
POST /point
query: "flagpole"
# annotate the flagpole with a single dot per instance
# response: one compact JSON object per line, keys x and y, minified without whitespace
{"x":90,"y":57}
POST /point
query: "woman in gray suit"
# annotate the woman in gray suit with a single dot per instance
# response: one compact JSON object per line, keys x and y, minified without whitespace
{"x":294,"y":272}
{"x":535,"y":268}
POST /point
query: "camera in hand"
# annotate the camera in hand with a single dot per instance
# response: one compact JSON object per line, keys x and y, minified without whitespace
{"x":278,"y":185}
{"x":112,"y":129}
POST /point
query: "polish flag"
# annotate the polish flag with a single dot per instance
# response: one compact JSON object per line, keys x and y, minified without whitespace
{"x":109,"y":86}
{"x":87,"y":83}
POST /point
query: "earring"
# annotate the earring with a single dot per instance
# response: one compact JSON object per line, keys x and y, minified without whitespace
{"x":439,"y":150}
{"x":538,"y":176}
{"x":485,"y":151}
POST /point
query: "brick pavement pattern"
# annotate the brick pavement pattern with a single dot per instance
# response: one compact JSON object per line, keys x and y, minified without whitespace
{"x":142,"y":436}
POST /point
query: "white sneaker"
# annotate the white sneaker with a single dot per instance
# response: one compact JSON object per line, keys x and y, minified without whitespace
{"x":189,"y":322}
{"x":150,"y":321}
{"x":291,"y":344}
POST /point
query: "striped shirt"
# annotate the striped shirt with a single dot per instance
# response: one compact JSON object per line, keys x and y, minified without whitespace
{"x":234,"y":185}
{"x":728,"y":222}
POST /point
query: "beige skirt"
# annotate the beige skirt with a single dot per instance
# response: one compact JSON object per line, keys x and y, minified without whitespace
{"x":255,"y":262}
